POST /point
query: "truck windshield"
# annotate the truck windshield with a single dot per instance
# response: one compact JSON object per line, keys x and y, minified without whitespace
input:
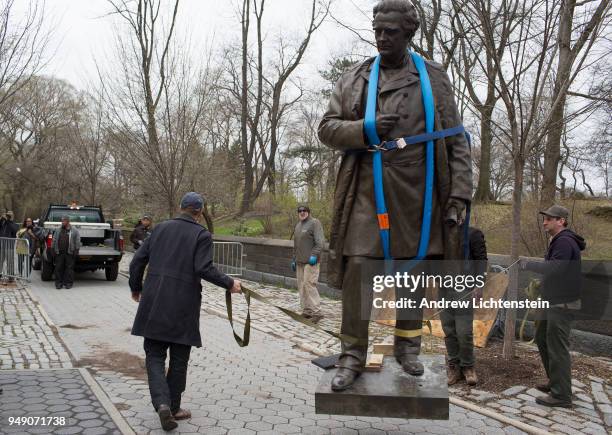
{"x":89,"y":216}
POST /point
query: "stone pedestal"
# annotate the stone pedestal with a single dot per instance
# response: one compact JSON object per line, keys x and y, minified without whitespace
{"x":390,"y":392}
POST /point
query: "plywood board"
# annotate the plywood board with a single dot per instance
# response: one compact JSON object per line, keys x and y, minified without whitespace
{"x":484,"y":319}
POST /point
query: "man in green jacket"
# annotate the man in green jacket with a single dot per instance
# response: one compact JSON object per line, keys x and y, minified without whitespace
{"x":308,"y":243}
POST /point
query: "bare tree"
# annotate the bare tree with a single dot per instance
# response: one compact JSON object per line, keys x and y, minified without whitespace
{"x":583,"y":31}
{"x":263,"y":108}
{"x":156,"y":105}
{"x":23,"y":42}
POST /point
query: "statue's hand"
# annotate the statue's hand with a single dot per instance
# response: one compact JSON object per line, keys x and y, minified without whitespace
{"x":385,"y":123}
{"x":454,"y":210}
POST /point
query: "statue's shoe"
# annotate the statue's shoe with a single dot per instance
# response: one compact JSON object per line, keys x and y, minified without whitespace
{"x":344,"y":378}
{"x":410,"y":364}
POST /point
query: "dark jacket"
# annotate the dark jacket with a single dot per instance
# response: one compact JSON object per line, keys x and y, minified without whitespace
{"x":561,"y":269}
{"x":139,"y":235}
{"x":477,"y":254}
{"x":179,"y":254}
{"x":354,"y":217}
{"x":8,"y":228}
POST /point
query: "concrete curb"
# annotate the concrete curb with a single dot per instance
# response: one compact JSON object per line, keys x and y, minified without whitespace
{"x":497,"y":416}
{"x":115,"y":415}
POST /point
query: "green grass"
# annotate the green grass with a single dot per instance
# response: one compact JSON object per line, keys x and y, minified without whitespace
{"x":245,"y":228}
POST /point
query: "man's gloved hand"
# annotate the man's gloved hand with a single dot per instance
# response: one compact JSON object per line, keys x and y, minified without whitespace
{"x":293,"y":265}
{"x":312,"y":260}
{"x":453,"y":211}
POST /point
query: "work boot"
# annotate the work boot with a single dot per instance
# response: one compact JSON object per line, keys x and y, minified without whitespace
{"x":470,"y":375}
{"x":544,"y":387}
{"x":349,"y":369}
{"x":165,"y":418}
{"x":553,"y":402}
{"x":454,"y":373}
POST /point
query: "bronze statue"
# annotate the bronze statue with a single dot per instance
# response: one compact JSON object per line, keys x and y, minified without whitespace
{"x":357,"y":227}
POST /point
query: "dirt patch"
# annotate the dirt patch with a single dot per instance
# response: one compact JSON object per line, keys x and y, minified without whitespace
{"x":496,"y":374}
{"x":71,"y":326}
{"x":122,"y":406}
{"x":121,"y":362}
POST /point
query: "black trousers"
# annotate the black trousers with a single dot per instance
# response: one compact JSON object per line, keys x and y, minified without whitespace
{"x":553,"y":340}
{"x":166,"y":389}
{"x":64,"y":269}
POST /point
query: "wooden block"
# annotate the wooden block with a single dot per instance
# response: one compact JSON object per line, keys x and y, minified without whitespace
{"x":383,"y":348}
{"x":374,"y":362}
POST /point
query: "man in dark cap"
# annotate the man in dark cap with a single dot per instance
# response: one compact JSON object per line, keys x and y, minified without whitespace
{"x":358,"y":226}
{"x":308,"y":241}
{"x":65,"y":248}
{"x":179,"y":254}
{"x":561,"y":286}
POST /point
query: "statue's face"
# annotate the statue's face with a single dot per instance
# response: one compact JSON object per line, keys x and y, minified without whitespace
{"x":391,"y":40}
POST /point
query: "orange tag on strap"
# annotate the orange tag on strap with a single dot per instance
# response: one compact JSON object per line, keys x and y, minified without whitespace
{"x":383,"y":221}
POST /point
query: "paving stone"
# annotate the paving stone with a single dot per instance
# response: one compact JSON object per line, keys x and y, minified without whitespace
{"x":512,"y":391}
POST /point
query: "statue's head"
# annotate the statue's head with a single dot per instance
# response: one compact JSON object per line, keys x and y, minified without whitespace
{"x":395,"y":23}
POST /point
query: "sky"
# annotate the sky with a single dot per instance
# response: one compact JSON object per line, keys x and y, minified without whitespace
{"x":84,"y":32}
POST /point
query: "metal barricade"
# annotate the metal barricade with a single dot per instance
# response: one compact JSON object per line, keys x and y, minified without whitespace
{"x":15,"y":258}
{"x":227,"y":257}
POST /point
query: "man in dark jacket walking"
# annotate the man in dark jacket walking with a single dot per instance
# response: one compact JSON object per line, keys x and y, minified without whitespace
{"x":179,"y":255}
{"x":141,"y":231}
{"x":457,"y":322}
{"x":561,"y":286}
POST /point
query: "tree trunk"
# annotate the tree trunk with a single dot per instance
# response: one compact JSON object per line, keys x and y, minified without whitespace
{"x":512,"y":293}
{"x":483,"y":191}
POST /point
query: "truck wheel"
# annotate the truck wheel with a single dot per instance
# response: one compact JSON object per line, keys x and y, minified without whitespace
{"x":46,"y":271}
{"x":111,"y":271}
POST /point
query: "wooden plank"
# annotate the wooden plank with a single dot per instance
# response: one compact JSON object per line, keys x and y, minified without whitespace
{"x":484,"y":319}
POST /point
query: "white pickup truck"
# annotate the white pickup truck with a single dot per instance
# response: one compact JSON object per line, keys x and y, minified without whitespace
{"x":102,"y":246}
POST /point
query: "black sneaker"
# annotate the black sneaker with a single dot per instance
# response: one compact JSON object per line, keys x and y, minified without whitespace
{"x":165,"y":418}
{"x":68,"y":286}
{"x":58,"y":286}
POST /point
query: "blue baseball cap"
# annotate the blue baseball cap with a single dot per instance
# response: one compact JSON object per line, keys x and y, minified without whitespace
{"x":192,"y":200}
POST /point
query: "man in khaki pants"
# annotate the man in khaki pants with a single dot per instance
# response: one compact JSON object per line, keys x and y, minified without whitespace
{"x":307,"y":245}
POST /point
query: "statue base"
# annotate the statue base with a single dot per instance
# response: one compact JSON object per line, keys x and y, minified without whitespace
{"x":390,"y":392}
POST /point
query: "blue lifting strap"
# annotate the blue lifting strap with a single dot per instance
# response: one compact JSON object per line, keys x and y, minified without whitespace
{"x":428,"y":137}
{"x":374,"y":140}
{"x":411,"y":140}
